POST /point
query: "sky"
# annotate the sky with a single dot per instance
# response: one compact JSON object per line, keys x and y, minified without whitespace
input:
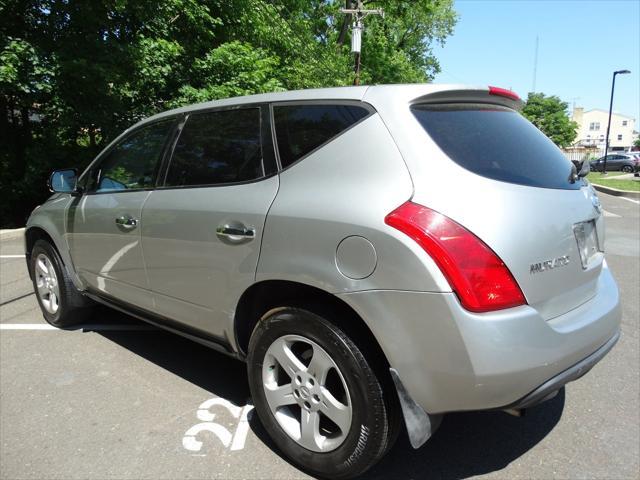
{"x":581,"y":44}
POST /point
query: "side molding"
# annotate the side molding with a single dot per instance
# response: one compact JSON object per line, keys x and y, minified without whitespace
{"x":420,"y":425}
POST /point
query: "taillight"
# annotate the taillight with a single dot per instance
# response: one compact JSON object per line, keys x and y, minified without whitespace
{"x":477,"y":275}
{"x":503,"y":92}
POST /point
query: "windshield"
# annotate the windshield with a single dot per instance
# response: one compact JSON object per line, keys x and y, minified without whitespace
{"x":497,"y":143}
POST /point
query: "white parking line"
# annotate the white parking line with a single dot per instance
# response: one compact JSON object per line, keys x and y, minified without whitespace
{"x":609,"y":214}
{"x":26,"y":326}
{"x":12,"y":256}
{"x":88,"y":327}
{"x":637,"y":202}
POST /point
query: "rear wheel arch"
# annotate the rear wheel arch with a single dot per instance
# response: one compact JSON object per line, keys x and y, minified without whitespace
{"x":265,"y":296}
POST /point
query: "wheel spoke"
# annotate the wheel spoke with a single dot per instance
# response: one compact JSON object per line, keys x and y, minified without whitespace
{"x":337,"y":412}
{"x":310,"y":430}
{"x":320,"y":364}
{"x":41,"y":266}
{"x":286,"y":358}
{"x":53,"y":301}
{"x":279,"y":396}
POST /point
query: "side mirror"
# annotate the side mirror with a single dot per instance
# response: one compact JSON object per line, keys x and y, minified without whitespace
{"x":584,"y":169}
{"x":579,"y":170}
{"x":63,"y":181}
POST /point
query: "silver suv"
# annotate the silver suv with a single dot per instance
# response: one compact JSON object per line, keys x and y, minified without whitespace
{"x":378,"y":256}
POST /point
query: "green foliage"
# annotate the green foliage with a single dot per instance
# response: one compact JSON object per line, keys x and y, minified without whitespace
{"x":75,"y":73}
{"x":231,"y":70}
{"x":636,"y":142}
{"x":549,"y":114}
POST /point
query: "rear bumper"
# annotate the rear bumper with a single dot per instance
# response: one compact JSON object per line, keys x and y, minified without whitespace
{"x":551,"y":386}
{"x":450,"y":359}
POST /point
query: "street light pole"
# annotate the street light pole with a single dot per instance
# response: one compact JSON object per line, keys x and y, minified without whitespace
{"x":606,"y":140}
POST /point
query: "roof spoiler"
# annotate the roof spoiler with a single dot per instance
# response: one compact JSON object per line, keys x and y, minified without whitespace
{"x":491,"y":95}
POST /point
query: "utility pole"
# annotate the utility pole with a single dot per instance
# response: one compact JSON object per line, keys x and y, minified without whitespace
{"x":359,"y":13}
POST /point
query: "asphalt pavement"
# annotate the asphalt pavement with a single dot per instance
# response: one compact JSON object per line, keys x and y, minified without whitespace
{"x":118,"y":399}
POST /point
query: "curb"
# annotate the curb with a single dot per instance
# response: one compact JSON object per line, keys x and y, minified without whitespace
{"x":12,"y":233}
{"x":616,"y":192}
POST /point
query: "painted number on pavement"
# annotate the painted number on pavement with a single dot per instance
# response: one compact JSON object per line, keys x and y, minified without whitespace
{"x":231,"y":440}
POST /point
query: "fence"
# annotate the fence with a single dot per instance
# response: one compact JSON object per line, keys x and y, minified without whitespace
{"x":582,"y":154}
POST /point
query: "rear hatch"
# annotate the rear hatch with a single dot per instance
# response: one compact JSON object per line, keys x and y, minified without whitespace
{"x":497,"y":175}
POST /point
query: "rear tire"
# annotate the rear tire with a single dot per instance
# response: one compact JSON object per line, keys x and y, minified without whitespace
{"x":627,"y":169}
{"x":61,"y":303}
{"x":317,"y":368}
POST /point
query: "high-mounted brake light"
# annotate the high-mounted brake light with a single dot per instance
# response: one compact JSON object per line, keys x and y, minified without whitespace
{"x":503,"y":92}
{"x":477,"y":275}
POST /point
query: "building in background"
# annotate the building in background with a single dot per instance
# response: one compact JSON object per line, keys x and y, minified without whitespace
{"x":592,"y":128}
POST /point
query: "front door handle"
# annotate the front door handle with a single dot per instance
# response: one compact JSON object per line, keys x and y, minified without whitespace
{"x":236,"y":233}
{"x":127,"y":222}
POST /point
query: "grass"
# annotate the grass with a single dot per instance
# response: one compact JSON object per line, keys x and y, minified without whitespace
{"x":609,"y":180}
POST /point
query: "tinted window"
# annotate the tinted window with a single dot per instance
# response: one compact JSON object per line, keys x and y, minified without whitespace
{"x":218,"y":147}
{"x":133,"y":163}
{"x":303,"y":128}
{"x":497,"y":143}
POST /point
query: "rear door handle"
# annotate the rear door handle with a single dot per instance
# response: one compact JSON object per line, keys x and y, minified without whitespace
{"x":236,"y":233}
{"x":127,"y":222}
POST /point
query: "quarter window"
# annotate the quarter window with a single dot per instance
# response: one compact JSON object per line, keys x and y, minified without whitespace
{"x":218,"y":147}
{"x":133,"y":163}
{"x":300,"y":129}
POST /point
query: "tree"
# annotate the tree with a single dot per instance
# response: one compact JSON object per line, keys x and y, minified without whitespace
{"x":549,"y":114}
{"x":636,"y":142}
{"x":75,"y":73}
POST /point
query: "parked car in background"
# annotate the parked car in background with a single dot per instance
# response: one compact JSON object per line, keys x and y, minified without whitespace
{"x":618,"y":162}
{"x":378,"y":256}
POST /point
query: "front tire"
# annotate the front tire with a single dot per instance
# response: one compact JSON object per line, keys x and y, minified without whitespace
{"x":61,"y":303}
{"x":317,"y":395}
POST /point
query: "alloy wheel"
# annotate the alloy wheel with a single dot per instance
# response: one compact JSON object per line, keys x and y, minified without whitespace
{"x":307,"y":393}
{"x":47,"y":284}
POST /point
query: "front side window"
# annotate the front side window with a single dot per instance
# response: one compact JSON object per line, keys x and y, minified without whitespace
{"x":300,"y":129}
{"x":218,"y":147}
{"x":133,"y":163}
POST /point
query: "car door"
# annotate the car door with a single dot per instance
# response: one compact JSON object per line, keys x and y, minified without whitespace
{"x":614,"y":162}
{"x":201,"y":231}
{"x":104,"y":223}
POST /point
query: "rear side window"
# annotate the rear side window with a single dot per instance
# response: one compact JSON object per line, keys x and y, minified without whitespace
{"x":497,"y":143}
{"x":300,"y":129}
{"x":217,"y":148}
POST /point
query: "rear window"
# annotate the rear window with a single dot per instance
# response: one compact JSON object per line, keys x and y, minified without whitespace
{"x":300,"y":129}
{"x":497,"y":143}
